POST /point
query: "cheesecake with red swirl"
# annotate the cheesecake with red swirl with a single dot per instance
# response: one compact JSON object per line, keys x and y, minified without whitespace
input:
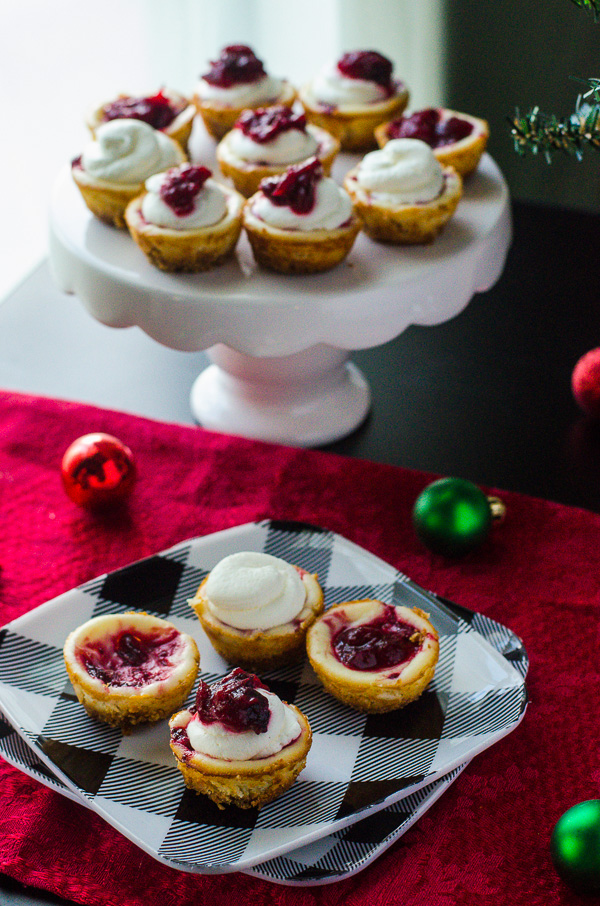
{"x":372,"y":656}
{"x":130,"y":668}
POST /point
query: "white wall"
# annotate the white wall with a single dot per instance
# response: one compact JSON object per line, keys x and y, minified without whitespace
{"x":59,"y":59}
{"x":295,"y":37}
{"x":56,"y":59}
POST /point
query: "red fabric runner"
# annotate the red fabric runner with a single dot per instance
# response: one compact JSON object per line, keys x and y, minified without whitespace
{"x":486,"y":841}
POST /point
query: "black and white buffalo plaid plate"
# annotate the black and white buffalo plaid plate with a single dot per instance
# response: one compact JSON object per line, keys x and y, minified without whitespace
{"x":335,"y":856}
{"x":358,"y":764}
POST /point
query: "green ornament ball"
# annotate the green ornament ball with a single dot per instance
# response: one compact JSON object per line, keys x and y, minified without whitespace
{"x":575,"y":846}
{"x":452,"y":517}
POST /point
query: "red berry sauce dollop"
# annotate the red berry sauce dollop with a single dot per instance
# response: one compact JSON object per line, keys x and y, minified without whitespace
{"x":180,"y":187}
{"x":235,"y":702}
{"x":384,"y":642}
{"x":368,"y":65}
{"x":296,"y":188}
{"x":266,"y":123}
{"x":429,"y":126}
{"x":131,"y":658}
{"x":238,"y":64}
{"x":158,"y":110}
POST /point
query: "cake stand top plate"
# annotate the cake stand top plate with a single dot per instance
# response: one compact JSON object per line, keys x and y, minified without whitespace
{"x":369,"y":299}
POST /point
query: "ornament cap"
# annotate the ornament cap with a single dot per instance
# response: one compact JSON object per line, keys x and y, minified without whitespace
{"x":497,"y":509}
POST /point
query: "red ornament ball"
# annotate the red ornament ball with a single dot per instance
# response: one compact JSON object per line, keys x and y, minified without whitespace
{"x":585,"y":382}
{"x":97,"y":470}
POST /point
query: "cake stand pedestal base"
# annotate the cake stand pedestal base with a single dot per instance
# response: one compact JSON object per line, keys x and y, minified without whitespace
{"x":306,"y":399}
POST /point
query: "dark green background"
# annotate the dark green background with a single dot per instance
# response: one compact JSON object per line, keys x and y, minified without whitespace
{"x":509,"y":54}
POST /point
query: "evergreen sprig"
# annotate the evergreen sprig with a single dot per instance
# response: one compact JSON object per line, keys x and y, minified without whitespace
{"x":592,"y":6}
{"x":542,"y":132}
{"x":537,"y":131}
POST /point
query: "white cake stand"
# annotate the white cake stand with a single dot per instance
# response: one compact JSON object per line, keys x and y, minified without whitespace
{"x":280,"y":346}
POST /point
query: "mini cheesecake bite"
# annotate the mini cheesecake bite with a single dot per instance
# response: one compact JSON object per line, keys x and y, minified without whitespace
{"x":372,"y":656}
{"x":402,"y":194}
{"x":237,"y":81}
{"x":130,"y":668}
{"x":351,"y":97}
{"x":457,"y":139}
{"x":240,"y":744}
{"x":301,"y":222}
{"x":168,"y":111}
{"x":112,"y":168}
{"x":256,"y":609}
{"x":185,"y":221}
{"x":265,"y":142}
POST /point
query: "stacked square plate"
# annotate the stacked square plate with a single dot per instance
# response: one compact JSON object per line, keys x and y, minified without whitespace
{"x":368,"y":778}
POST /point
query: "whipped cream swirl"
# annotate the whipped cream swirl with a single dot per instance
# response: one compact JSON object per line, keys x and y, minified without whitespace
{"x":250,"y":590}
{"x":404,"y":171}
{"x":129,"y":151}
{"x":244,"y":94}
{"x":334,"y":89}
{"x":288,"y":147}
{"x":217,"y":741}
{"x":331,"y":210}
{"x":209,"y":206}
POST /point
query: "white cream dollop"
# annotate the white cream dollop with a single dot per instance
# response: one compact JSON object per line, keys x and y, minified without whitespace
{"x":334,"y":89}
{"x":250,"y":590}
{"x":404,"y":171}
{"x":217,"y":741}
{"x":210,"y":206}
{"x":244,"y":94}
{"x":288,"y":147}
{"x":129,"y":151}
{"x":332,"y":208}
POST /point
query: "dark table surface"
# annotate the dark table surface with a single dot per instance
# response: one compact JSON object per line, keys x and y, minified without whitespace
{"x":486,"y":396}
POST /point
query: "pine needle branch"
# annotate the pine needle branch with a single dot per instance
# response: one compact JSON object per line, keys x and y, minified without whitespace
{"x":592,"y":6}
{"x":546,"y":133}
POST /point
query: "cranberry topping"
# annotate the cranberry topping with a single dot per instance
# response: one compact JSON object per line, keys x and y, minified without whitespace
{"x":266,"y":123}
{"x":368,"y":65}
{"x":180,"y":736}
{"x":384,"y":642}
{"x":428,"y":126}
{"x":421,"y":125}
{"x":296,"y":188}
{"x":237,"y":65}
{"x":453,"y":130}
{"x":131,"y":658}
{"x":157,"y":110}
{"x":180,"y":187}
{"x":132,"y":649}
{"x":234,"y":702}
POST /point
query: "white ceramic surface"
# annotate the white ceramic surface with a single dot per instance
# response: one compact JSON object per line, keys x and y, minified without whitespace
{"x":263,"y":318}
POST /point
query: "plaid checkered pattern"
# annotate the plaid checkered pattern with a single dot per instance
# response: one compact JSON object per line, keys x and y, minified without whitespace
{"x":358,"y":765}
